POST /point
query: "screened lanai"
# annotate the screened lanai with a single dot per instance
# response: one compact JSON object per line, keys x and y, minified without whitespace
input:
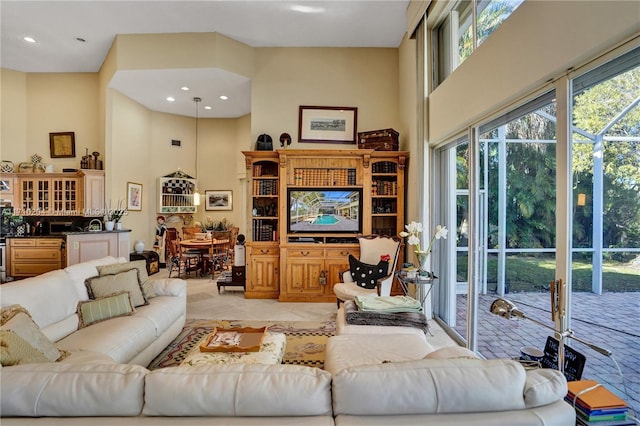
{"x":517,"y":198}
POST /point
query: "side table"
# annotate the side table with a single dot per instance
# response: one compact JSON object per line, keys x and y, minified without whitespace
{"x":404,"y":283}
{"x":151,"y":257}
{"x":234,"y":278}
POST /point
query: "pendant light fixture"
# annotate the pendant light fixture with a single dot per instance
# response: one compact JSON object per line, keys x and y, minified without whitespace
{"x":196,"y":194}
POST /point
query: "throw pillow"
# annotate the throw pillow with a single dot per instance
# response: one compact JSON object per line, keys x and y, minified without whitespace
{"x":140,"y":265}
{"x":104,"y":308}
{"x":106,"y":285}
{"x":365,"y":275}
{"x":22,"y":342}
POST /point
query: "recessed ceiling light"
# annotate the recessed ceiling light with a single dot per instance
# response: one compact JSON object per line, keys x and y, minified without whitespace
{"x":224,"y":97}
{"x":170,"y":99}
{"x":207,"y":107}
{"x":185,"y":88}
{"x":306,"y":9}
{"x":29,"y":39}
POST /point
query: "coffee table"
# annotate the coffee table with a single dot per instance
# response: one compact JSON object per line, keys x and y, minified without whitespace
{"x":271,"y":352}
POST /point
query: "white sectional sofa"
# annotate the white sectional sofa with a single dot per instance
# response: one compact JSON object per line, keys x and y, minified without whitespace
{"x":369,"y":379}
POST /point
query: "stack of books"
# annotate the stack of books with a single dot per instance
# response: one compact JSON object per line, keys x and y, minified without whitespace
{"x":598,"y":406}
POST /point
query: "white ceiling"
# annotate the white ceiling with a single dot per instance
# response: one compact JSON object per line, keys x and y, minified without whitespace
{"x":56,"y":25}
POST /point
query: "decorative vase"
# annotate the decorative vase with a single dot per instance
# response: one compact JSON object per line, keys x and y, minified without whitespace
{"x":109,"y":225}
{"x":139,"y":246}
{"x":422,"y":257}
{"x":119,"y":226}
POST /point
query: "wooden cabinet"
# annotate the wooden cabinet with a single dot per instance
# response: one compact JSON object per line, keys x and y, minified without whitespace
{"x":28,"y":257}
{"x":311,"y":262}
{"x":8,"y":189}
{"x":311,"y":271}
{"x":262,"y":270}
{"x":66,"y":194}
{"x":94,"y":196}
{"x":176,"y":193}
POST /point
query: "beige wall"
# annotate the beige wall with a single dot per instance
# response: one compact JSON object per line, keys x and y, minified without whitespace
{"x":539,"y":41}
{"x":34,"y":105}
{"x":286,"y":78}
{"x":13,"y":110}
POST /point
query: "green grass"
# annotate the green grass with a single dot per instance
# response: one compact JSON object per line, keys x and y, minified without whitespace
{"x":534,"y":273}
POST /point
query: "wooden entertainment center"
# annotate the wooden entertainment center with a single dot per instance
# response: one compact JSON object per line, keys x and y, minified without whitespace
{"x":288,"y":263}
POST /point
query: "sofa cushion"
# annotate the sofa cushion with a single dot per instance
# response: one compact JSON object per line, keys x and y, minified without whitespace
{"x":238,"y":390}
{"x":366,"y":275}
{"x":72,"y":389}
{"x":49,"y":297}
{"x":105,"y":285}
{"x":121,"y":338}
{"x":544,"y":386}
{"x":451,"y":352}
{"x":22,"y":342}
{"x":162,"y":312}
{"x":429,"y":386}
{"x":353,"y":350}
{"x":143,"y":276}
{"x":104,"y":308}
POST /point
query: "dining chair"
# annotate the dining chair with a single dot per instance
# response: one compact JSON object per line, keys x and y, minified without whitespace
{"x":218,"y":258}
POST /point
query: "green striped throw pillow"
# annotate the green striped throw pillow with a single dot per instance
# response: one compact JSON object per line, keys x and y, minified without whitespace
{"x":104,"y":308}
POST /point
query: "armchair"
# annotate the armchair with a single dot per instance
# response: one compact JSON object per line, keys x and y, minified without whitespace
{"x":371,"y":248}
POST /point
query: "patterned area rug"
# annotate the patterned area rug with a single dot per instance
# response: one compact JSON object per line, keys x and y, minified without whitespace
{"x":306,"y":340}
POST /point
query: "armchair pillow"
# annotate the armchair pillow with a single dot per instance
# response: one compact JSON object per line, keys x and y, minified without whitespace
{"x":22,"y":342}
{"x":365,"y":275}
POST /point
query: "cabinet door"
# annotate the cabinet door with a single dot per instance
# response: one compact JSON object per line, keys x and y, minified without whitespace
{"x":335,"y":268}
{"x":304,"y":275}
{"x":264,"y":277}
{"x":65,"y":195}
{"x":93,"y":193}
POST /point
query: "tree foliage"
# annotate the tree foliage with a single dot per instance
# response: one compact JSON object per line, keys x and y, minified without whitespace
{"x":531,"y":169}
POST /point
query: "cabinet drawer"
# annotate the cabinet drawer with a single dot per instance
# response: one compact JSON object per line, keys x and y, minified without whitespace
{"x":305,"y":252}
{"x":36,"y":255}
{"x":32,"y":269}
{"x":49,"y":242}
{"x":265,"y":251}
{"x":16,"y":242}
{"x":344,"y":252}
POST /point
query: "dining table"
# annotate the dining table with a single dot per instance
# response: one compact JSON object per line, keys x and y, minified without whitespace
{"x":203,"y":247}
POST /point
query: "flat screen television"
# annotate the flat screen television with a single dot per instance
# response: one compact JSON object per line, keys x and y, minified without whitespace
{"x":322,"y":210}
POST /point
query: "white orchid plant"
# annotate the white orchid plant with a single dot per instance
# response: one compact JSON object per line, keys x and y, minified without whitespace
{"x":413,"y":232}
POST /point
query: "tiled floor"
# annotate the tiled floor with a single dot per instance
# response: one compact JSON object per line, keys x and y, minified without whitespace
{"x":610,"y":320}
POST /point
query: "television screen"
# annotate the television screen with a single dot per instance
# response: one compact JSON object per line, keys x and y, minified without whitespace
{"x":321,"y":210}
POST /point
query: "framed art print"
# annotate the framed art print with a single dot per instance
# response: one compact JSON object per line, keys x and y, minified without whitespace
{"x":134,"y":196}
{"x":327,"y":124}
{"x":62,"y":145}
{"x":218,"y":200}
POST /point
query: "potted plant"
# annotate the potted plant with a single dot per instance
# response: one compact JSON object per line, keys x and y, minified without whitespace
{"x":113,"y":216}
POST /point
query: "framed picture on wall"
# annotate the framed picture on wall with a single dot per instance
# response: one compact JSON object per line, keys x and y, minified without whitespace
{"x":218,"y":200}
{"x":327,"y":124}
{"x":62,"y":145}
{"x":134,"y":196}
